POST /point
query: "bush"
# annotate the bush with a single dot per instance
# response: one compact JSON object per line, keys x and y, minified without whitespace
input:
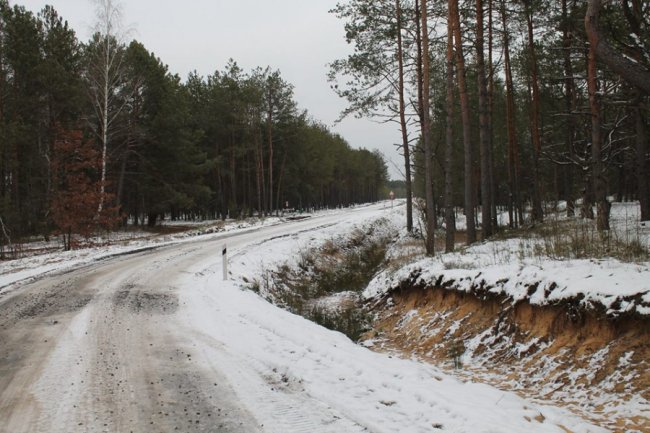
{"x":338,"y":265}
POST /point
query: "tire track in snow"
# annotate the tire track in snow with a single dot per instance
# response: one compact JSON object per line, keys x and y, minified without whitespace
{"x":280,"y":404}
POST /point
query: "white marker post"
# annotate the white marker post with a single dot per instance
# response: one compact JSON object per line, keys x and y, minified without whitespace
{"x":224,"y":258}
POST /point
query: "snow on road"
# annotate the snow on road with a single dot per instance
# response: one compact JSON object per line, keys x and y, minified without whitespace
{"x":160,"y":338}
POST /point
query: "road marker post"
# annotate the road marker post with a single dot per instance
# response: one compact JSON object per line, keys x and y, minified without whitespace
{"x":224,"y":259}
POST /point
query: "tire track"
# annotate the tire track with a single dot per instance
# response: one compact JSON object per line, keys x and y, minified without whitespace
{"x":281,"y":404}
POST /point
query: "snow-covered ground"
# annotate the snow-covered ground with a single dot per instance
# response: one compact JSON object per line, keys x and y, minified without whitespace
{"x":295,"y":376}
{"x":320,"y":377}
{"x":513,"y":268}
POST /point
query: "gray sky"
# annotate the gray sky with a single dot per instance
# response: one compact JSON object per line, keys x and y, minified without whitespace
{"x":298,"y":37}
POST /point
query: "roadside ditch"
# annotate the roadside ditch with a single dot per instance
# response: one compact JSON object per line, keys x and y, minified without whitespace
{"x":564,"y":353}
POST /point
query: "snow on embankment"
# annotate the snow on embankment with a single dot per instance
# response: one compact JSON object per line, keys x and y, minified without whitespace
{"x":493,"y":269}
{"x":570,"y":331}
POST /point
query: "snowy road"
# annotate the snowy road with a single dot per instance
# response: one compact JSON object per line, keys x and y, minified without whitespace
{"x":100,"y":349}
{"x":156,"y":341}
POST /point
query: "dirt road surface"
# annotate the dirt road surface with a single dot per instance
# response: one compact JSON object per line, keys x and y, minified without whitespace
{"x":102,"y":349}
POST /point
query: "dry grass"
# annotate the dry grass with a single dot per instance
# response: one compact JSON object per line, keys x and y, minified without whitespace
{"x":575,"y":238}
{"x":336,"y":266}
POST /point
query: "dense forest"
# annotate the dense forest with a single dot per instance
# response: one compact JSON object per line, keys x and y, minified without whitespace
{"x":506,"y":106}
{"x":94,"y":134}
{"x":503,"y":106}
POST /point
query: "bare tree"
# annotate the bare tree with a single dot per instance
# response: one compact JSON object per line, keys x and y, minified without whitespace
{"x":105,"y":75}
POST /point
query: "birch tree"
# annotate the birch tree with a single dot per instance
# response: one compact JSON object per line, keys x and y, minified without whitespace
{"x":105,"y":72}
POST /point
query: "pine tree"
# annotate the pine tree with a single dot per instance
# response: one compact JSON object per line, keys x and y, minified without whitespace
{"x":465,"y":108}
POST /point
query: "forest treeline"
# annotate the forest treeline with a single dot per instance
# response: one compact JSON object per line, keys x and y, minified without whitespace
{"x":506,"y":104}
{"x":94,"y":133}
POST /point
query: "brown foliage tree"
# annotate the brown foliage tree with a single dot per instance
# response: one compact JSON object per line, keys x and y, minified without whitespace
{"x":76,"y":167}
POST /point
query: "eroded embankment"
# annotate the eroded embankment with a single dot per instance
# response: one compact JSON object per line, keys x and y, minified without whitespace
{"x":563,"y":353}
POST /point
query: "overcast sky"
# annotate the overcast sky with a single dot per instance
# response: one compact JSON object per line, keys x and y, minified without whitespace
{"x":298,"y":37}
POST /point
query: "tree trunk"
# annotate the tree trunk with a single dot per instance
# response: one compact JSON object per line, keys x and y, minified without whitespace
{"x":152,"y":218}
{"x":270,"y":138}
{"x":641,"y":158}
{"x":402,"y":119}
{"x":537,"y":214}
{"x":484,"y":125}
{"x":597,"y":172}
{"x":3,"y":160}
{"x":259,"y":171}
{"x":570,"y":105}
{"x":418,"y":63}
{"x":120,"y":181}
{"x":67,"y":239}
{"x":278,"y":205}
{"x":467,"y":139}
{"x":233,"y":180}
{"x":493,"y":184}
{"x":106,"y":80}
{"x":450,"y":222}
{"x":635,"y":18}
{"x":426,"y":133}
{"x":514,"y":208}
{"x":2,"y":75}
{"x":109,"y":64}
{"x":587,"y":209}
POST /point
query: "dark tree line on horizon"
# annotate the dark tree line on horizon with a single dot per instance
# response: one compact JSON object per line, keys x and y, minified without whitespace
{"x":506,"y":105}
{"x":145,"y":144}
